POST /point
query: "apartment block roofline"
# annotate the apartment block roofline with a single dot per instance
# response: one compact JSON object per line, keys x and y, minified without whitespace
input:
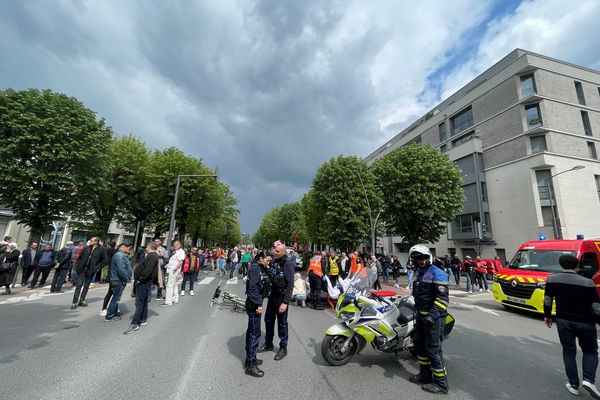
{"x":500,"y":65}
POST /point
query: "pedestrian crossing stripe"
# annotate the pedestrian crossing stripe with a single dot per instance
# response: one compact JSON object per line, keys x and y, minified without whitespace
{"x":206,"y":280}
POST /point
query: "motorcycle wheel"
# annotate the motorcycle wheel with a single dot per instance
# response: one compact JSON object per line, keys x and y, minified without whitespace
{"x":331,"y":350}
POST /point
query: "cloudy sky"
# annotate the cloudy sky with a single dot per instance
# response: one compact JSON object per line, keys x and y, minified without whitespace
{"x":268,"y":90}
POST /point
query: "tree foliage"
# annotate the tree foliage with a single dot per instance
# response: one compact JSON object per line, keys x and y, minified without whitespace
{"x":422,"y":191}
{"x":54,"y":153}
{"x":343,"y":192}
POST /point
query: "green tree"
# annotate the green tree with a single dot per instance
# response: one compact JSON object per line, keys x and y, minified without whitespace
{"x":54,"y":152}
{"x":343,"y":192}
{"x":422,"y":191}
{"x":311,"y":219}
{"x":266,"y":233}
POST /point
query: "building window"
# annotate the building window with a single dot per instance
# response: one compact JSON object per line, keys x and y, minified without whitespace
{"x":462,"y":121}
{"x":532,"y":114}
{"x":587,"y":127}
{"x":547,"y":216}
{"x":597,"y":178}
{"x":463,"y":139}
{"x":465,"y":223}
{"x":580,"y":96}
{"x":416,"y":140}
{"x":527,"y":85}
{"x":592,"y":150}
{"x":538,"y":144}
{"x":443,"y":148}
{"x":484,"y":195}
{"x":442,"y":132}
{"x":542,"y":177}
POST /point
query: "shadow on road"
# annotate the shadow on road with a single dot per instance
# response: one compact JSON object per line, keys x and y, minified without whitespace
{"x":237,"y":347}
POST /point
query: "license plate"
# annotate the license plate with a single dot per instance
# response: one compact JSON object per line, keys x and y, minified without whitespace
{"x":516,"y":300}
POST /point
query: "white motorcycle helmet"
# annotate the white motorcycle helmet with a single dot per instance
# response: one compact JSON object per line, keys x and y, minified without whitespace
{"x":420,"y":249}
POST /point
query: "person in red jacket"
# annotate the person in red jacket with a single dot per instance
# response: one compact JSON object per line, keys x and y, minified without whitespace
{"x":481,"y":272}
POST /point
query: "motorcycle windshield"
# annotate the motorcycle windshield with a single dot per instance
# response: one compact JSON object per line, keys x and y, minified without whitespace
{"x":361,"y":282}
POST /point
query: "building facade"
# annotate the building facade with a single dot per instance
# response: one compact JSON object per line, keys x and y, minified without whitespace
{"x":526,"y":136}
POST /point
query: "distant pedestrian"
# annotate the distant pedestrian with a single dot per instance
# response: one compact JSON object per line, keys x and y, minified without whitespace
{"x":28,"y":263}
{"x":144,"y":274}
{"x":45,"y":261}
{"x":410,"y":272}
{"x":469,"y":271}
{"x":344,"y":266}
{"x":190,"y":270}
{"x":73,"y":278}
{"x":120,"y":274}
{"x":174,"y":274}
{"x":334,"y":268}
{"x":163,"y":259}
{"x":386,"y":262}
{"x":246,"y":259}
{"x":63,"y":264}
{"x":315,"y":275}
{"x":396,"y":267}
{"x":376,"y":268}
{"x":9,"y":262}
{"x":91,"y":259}
{"x":481,"y":273}
{"x":576,"y":311}
{"x":234,"y":258}
{"x":456,"y":266}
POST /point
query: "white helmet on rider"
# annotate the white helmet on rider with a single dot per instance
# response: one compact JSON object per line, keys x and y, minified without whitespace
{"x":420,"y":249}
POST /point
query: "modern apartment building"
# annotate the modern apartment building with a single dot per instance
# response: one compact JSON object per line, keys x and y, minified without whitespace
{"x":526,"y":135}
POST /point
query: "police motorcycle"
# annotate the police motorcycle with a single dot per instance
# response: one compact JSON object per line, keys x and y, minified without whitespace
{"x":369,"y":317}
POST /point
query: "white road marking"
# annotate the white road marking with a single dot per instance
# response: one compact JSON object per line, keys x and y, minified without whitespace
{"x":233,"y":281}
{"x":206,"y":280}
{"x":470,"y":307}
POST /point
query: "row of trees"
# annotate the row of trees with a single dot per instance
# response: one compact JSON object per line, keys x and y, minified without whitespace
{"x":411,"y":192}
{"x":60,"y":160}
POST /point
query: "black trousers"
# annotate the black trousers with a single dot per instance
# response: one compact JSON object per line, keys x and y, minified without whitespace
{"x":108,"y":296}
{"x":428,"y":344}
{"x":26,"y":275}
{"x":40,"y":271}
{"x":252,"y":334}
{"x":59,"y":278}
{"x":315,"y":289}
{"x":271,"y":314}
{"x":83,"y":285}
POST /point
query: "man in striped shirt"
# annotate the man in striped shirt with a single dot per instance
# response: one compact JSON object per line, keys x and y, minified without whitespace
{"x":575,"y":298}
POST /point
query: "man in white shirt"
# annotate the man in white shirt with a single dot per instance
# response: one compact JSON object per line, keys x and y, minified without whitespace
{"x":174,"y":269}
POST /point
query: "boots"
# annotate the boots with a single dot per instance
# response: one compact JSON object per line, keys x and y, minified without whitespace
{"x":423,"y":377}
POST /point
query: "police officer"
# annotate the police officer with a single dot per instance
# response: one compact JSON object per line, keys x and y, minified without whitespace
{"x":254,"y":308}
{"x":431,"y":303}
{"x":282,"y":283}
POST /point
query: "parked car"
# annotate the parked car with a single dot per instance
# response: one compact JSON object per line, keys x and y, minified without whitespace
{"x":294,"y":254}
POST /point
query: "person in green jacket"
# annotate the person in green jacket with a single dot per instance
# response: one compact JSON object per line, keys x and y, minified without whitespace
{"x":246,"y":258}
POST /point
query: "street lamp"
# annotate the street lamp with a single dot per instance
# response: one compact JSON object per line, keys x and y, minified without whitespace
{"x":372,"y":223}
{"x":172,"y":224}
{"x":556,"y":228}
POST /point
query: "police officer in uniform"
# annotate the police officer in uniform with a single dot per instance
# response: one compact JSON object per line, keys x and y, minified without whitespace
{"x":282,"y":283}
{"x":430,"y":291}
{"x":254,"y":309}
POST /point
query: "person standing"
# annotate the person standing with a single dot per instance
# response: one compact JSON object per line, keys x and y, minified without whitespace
{"x":344,"y":266}
{"x":282,"y":276}
{"x":469,"y":270}
{"x":334,"y":268}
{"x":254,"y":309}
{"x":396,"y":267}
{"x":315,"y":275}
{"x":481,"y":272}
{"x":576,"y":311}
{"x":28,"y":263}
{"x":120,"y":274}
{"x":410,"y":272}
{"x":163,"y":260}
{"x":386,"y":262}
{"x":190,"y":269}
{"x":63,"y":264}
{"x":246,"y":259}
{"x":44,"y":262}
{"x":74,"y":259}
{"x":376,"y":268}
{"x":456,"y":266}
{"x":174,"y":271}
{"x":431,"y":305}
{"x":9,"y":262}
{"x":91,"y":259}
{"x":234,"y":257}
{"x":144,"y":274}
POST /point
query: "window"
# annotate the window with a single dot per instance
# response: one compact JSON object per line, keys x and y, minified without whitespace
{"x":465,"y":223}
{"x":443,"y":148}
{"x":538,"y":144}
{"x":532,"y":115}
{"x":587,"y":127}
{"x":462,"y":121}
{"x":592,"y":150}
{"x":442,"y":131}
{"x":542,"y":177}
{"x":597,"y":178}
{"x":527,"y":85}
{"x":463,"y":139}
{"x":547,"y":216}
{"x":588,"y":265}
{"x":416,"y":140}
{"x":484,"y":195}
{"x":580,"y":96}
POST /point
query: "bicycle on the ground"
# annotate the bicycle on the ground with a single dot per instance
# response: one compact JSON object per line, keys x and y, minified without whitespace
{"x":228,"y":299}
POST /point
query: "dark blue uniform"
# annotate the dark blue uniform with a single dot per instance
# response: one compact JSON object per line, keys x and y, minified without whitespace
{"x":282,"y":277}
{"x":431,"y":302}
{"x":253,"y":301}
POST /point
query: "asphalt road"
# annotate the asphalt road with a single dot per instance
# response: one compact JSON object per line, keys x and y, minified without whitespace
{"x":193,"y":351}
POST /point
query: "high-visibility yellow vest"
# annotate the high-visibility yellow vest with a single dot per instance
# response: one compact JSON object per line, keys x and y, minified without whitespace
{"x":333,"y":266}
